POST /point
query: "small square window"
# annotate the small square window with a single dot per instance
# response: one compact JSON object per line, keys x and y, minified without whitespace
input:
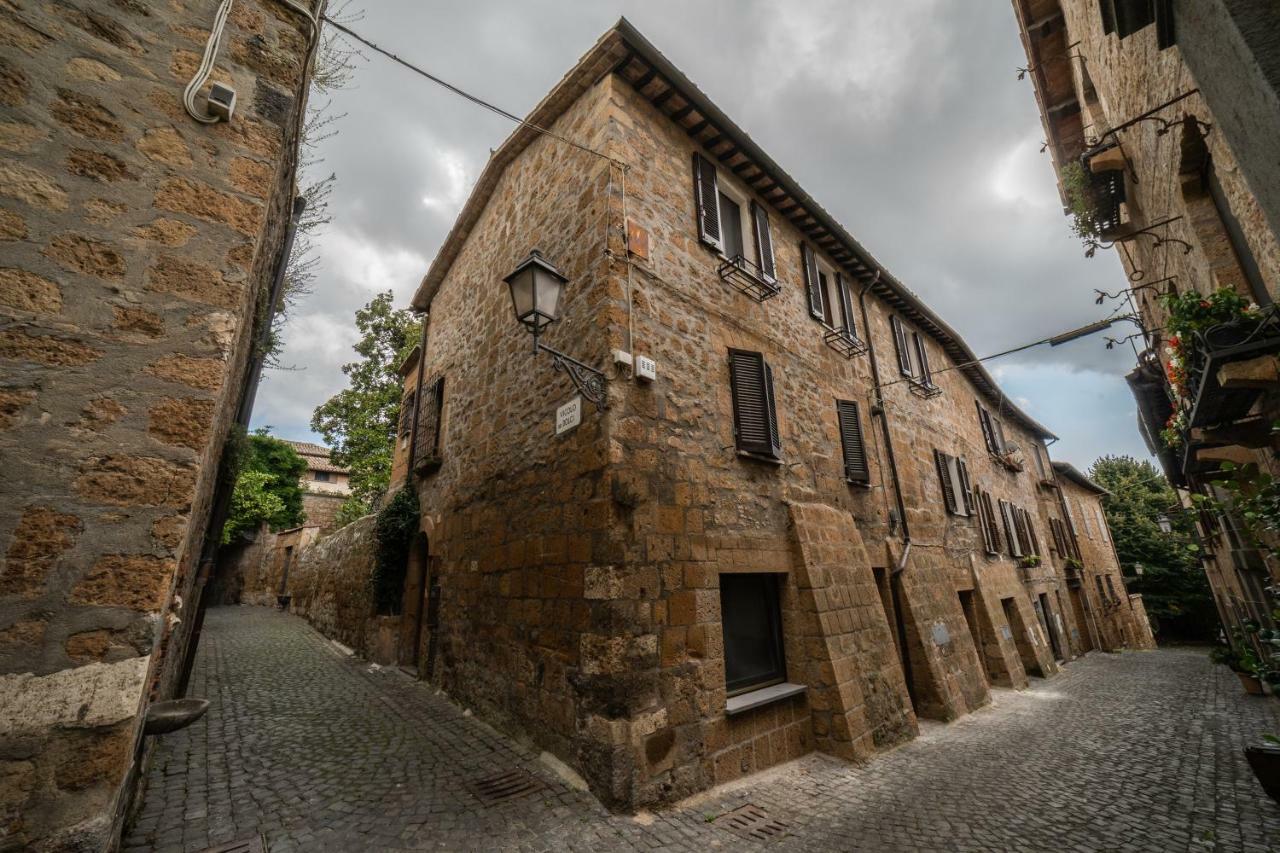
{"x":752,"y":624}
{"x":322,"y":476}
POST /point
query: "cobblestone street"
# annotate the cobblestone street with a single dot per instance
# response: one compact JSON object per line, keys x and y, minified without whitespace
{"x":319,"y":751}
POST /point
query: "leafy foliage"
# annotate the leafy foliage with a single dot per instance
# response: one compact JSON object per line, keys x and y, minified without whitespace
{"x":1173,"y":584}
{"x":359,"y":422}
{"x":1078,"y":188}
{"x":393,"y":536}
{"x":1192,"y":312}
{"x":268,"y":489}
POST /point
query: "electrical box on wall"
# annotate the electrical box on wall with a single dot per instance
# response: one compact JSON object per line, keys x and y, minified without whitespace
{"x":646,"y":368}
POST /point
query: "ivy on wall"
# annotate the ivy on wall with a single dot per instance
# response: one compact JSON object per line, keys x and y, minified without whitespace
{"x":393,"y":537}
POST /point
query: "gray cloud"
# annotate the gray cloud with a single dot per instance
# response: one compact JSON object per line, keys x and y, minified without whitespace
{"x":904,"y":118}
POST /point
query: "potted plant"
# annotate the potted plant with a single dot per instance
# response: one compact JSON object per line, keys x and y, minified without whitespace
{"x":1030,"y":561}
{"x":1243,"y":664}
{"x":1264,"y":760}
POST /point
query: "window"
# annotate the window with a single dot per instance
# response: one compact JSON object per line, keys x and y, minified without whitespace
{"x":755,"y":414}
{"x":1011,"y":529}
{"x":1236,"y":238}
{"x":1111,"y":588}
{"x":905,"y":366}
{"x":321,"y":476}
{"x":752,"y":624}
{"x":406,"y":412}
{"x":1040,"y":454}
{"x":1126,"y":17}
{"x":987,"y":522}
{"x":953,"y":474}
{"x":856,"y":469}
{"x":1102,"y":595}
{"x":922,"y":360}
{"x":992,"y":431}
{"x":742,"y":236}
{"x":430,"y":426}
{"x":829,"y":301}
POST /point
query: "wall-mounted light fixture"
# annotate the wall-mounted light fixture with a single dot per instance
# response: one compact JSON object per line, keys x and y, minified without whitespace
{"x":1163,"y":522}
{"x":537,"y":289}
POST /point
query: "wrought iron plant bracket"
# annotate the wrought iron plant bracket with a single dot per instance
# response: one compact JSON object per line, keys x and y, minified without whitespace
{"x":1165,"y":125}
{"x":1104,"y":295}
{"x":591,"y":383}
{"x":1095,"y":244}
{"x":1065,"y":53}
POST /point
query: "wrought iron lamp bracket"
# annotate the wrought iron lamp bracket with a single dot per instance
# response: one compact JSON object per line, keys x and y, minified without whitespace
{"x":591,"y":383}
{"x":1094,"y":245}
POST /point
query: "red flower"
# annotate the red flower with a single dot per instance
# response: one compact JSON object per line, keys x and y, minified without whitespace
{"x":1204,"y":303}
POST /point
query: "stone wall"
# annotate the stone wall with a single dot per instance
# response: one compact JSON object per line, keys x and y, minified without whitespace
{"x":321,"y":510}
{"x":137,"y":246}
{"x":1226,"y":56}
{"x":579,"y":574}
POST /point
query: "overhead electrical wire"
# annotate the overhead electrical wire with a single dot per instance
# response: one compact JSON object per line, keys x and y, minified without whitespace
{"x":462,"y":93}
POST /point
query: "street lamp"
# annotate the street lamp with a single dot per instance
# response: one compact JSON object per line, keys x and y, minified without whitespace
{"x":1163,"y":522}
{"x":537,"y":290}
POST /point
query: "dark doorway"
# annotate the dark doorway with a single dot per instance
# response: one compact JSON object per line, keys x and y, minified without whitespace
{"x":1082,"y":620}
{"x":970,"y":609}
{"x":1045,"y":612}
{"x":1020,"y":633}
{"x":889,"y":597}
{"x":413,"y":611}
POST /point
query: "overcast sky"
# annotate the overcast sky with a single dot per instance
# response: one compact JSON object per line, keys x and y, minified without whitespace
{"x":903,"y":118}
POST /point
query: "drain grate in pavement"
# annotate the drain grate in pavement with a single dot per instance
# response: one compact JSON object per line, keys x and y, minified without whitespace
{"x":244,"y":845}
{"x":753,"y":823}
{"x":492,"y":790}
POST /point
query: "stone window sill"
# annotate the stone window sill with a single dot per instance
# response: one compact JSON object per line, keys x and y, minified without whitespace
{"x":764,"y":696}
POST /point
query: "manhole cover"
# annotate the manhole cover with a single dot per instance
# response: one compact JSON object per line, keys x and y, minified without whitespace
{"x":244,"y":845}
{"x":492,"y":790}
{"x":752,"y":822}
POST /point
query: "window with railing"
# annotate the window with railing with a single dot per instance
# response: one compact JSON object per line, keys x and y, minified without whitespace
{"x":427,"y":450}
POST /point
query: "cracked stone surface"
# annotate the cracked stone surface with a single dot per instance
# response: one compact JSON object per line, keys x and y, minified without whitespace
{"x":318,"y":751}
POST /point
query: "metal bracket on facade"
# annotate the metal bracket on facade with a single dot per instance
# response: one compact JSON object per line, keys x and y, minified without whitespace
{"x":1104,"y":295}
{"x":1137,"y":274}
{"x":1150,"y":115}
{"x":591,"y":383}
{"x":1065,"y":53}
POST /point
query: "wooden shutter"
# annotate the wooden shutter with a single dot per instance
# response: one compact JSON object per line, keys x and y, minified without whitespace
{"x":1032,"y":540}
{"x":965,"y":489}
{"x":900,"y":341}
{"x":856,"y":469}
{"x":948,"y":486}
{"x":987,"y":521}
{"x":706,"y":196}
{"x":812,"y":283}
{"x":997,"y":433}
{"x":437,"y":394}
{"x":1107,"y":10}
{"x":922,"y":356}
{"x":846,"y":305}
{"x":984,"y":419}
{"x":754,"y":413}
{"x":1020,"y":528}
{"x":1010,"y":529}
{"x":764,"y":241}
{"x":1132,"y":15}
{"x":1056,"y":535}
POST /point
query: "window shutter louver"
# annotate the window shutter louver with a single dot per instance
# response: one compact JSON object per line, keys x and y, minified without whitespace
{"x":764,"y":241}
{"x":1132,"y":15}
{"x":965,"y":489}
{"x":1020,"y":527}
{"x":986,"y":520}
{"x":754,"y":413}
{"x":856,"y":469}
{"x":1010,"y":529}
{"x":922,"y":356}
{"x":1107,"y":10}
{"x":984,"y":419}
{"x":944,"y":477}
{"x":846,"y":305}
{"x":997,"y":432}
{"x":992,"y":527}
{"x":811,"y":281}
{"x":706,"y":195}
{"x":900,"y":341}
{"x":1032,"y":540}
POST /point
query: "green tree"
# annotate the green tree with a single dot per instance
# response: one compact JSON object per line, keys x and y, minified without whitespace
{"x":1173,"y":585}
{"x":359,"y":422}
{"x":268,"y":486}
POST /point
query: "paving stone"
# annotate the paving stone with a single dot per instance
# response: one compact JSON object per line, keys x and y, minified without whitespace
{"x":320,"y":752}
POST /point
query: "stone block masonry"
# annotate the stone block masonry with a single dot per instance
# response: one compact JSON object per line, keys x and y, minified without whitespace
{"x":135,"y":248}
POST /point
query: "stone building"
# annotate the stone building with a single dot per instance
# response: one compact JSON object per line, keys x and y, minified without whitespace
{"x":807,"y":518}
{"x":1166,"y":115}
{"x":139,"y":246}
{"x":325,"y":485}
